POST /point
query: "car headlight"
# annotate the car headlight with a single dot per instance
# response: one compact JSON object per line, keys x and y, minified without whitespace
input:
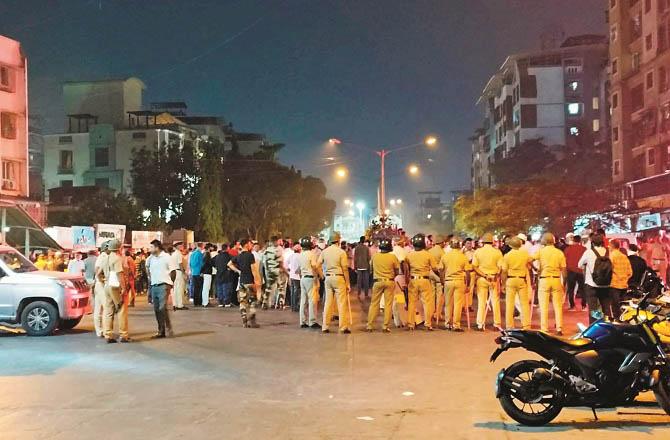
{"x":65,"y":283}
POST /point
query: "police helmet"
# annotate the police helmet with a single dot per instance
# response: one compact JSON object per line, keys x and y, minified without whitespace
{"x":385,"y":245}
{"x":455,"y":243}
{"x":306,"y":243}
{"x":335,"y":237}
{"x":419,"y":241}
{"x":114,"y":244}
{"x":487,"y":238}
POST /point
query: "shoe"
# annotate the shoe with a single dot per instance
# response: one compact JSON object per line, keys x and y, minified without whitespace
{"x":410,"y":329}
{"x":227,"y":306}
{"x":497,"y":328}
{"x":304,"y":326}
{"x":571,"y":309}
{"x":111,"y":340}
{"x":125,"y":340}
{"x":369,"y":330}
{"x":429,"y":329}
{"x":346,"y":331}
{"x":158,"y":336}
{"x":448,"y":327}
{"x":220,"y":306}
{"x":386,"y":330}
{"x":457,"y":330}
{"x":315,"y":326}
{"x":479,"y":329}
{"x":174,"y":309}
{"x":325,"y":330}
{"x":253,"y":325}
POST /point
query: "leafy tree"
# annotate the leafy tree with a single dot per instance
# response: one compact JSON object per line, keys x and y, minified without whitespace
{"x":210,"y":200}
{"x":101,"y":206}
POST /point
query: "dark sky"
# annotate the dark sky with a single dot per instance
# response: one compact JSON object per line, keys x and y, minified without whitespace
{"x":378,"y":73}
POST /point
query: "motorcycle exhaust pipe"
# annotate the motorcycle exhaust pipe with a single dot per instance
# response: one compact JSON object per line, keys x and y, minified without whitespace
{"x":542,"y":375}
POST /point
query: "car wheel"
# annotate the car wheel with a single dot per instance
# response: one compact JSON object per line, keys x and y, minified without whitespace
{"x":69,"y":324}
{"x":39,"y":318}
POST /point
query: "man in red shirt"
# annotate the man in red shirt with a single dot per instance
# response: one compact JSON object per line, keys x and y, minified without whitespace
{"x":573,"y":252}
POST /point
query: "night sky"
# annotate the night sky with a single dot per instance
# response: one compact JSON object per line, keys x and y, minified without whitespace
{"x":376,"y":73}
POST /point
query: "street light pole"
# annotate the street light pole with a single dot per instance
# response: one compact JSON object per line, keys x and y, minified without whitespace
{"x":382,"y":184}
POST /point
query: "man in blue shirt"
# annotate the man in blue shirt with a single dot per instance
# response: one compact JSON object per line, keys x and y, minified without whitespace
{"x":196,"y":262}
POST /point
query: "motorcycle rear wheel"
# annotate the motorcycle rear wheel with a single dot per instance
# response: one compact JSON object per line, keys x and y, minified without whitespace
{"x":662,"y":394}
{"x":516,"y":385}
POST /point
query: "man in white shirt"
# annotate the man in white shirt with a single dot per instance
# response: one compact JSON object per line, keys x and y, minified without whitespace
{"x":76,"y":266}
{"x":294,"y":276}
{"x":161,"y":278}
{"x":178,"y":263}
{"x":596,"y":295}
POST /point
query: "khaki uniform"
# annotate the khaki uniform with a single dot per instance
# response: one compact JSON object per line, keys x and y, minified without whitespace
{"x":454,"y":263}
{"x":421,"y":264}
{"x":114,"y":300}
{"x":337,"y":285}
{"x":488,"y":260}
{"x":385,"y":265}
{"x":437,"y":252}
{"x":515,"y":263}
{"x":550,"y":287}
{"x":309,"y":286}
{"x":469,"y":288}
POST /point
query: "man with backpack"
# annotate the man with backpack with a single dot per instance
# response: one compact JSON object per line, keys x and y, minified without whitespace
{"x":597,"y":268}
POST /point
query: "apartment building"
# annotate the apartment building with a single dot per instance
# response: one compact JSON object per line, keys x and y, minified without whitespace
{"x":640,"y":100}
{"x":557,"y":95}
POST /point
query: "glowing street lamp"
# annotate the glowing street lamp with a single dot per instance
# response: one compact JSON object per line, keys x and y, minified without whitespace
{"x":334,"y":141}
{"x":431,"y":141}
{"x":348,"y":202}
{"x":341,"y":172}
{"x":413,"y":170}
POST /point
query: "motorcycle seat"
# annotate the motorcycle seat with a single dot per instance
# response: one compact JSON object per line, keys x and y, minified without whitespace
{"x":568,"y":342}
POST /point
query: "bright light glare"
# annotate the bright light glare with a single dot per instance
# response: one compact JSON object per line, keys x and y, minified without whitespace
{"x":431,"y":141}
{"x":348,"y":202}
{"x":399,"y":201}
{"x":360,"y":205}
{"x":351,"y":212}
{"x":341,"y":172}
{"x":334,"y":141}
{"x":413,"y":169}
{"x":392,"y":202}
{"x":387,"y":211}
{"x":429,"y":216}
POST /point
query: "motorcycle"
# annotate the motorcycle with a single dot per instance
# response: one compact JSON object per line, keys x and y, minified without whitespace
{"x":607,"y":365}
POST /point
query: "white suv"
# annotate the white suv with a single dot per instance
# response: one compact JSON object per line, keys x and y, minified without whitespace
{"x":39,"y":301}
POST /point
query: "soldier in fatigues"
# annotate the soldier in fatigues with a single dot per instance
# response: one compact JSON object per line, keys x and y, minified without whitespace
{"x":246,"y":266}
{"x":486,"y":263}
{"x":116,"y":299}
{"x":420,"y":265}
{"x":385,"y":267}
{"x":273,"y":265}
{"x":455,"y":277}
{"x":311,"y":273}
{"x":334,"y":260}
{"x":550,"y":287}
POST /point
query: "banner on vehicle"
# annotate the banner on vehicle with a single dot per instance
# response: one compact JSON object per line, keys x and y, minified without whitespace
{"x":83,"y":238}
{"x":142,"y":239}
{"x":105,"y":232}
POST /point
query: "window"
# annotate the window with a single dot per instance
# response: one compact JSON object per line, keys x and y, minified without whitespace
{"x":574,"y":131}
{"x":662,"y":79}
{"x":573,"y":86}
{"x":102,"y":157}
{"x":596,"y":103}
{"x":528,"y":116}
{"x":6,"y":79}
{"x":615,"y":134}
{"x":637,"y":98}
{"x":613,"y":33}
{"x":636,"y":27}
{"x":651,"y":157}
{"x":64,"y":139}
{"x":615,"y":67}
{"x":65,"y":165}
{"x":636,"y":61}
{"x":647,"y":6}
{"x":8,"y":125}
{"x":66,"y":184}
{"x":102,"y":182}
{"x":648,"y":42}
{"x":615,"y":100}
{"x":662,"y":38}
{"x":617,"y":167}
{"x":596,"y":125}
{"x":10,"y":173}
{"x":574,"y":109}
{"x":650,"y":80}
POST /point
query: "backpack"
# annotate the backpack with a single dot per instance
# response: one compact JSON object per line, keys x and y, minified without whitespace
{"x":602,"y":268}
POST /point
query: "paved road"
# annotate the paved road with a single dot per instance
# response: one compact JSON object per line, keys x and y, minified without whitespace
{"x":216,"y":380}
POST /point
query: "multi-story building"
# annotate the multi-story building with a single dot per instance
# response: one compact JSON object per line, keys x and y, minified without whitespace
{"x":13,"y":119}
{"x":640,"y":100}
{"x":555,"y":95}
{"x":35,"y":158}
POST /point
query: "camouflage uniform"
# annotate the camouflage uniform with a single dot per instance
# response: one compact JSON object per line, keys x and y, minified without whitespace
{"x":247,"y":298}
{"x":272,"y":262}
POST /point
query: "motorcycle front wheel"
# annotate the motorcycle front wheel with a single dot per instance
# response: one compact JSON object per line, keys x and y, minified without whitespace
{"x":525,"y":400}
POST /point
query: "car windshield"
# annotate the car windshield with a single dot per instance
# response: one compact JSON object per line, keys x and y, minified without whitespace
{"x":17,"y":262}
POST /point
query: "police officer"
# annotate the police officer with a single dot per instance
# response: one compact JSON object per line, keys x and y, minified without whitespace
{"x":515,"y":271}
{"x":99,"y":291}
{"x":334,"y":260}
{"x":420,"y":264}
{"x":454,"y":265}
{"x":385,"y":267}
{"x":116,"y":299}
{"x":437,"y":251}
{"x":486,"y":263}
{"x":310,"y":274}
{"x":552,"y":267}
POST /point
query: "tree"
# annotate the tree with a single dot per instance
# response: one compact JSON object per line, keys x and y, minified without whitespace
{"x":518,"y":206}
{"x":210,"y":200}
{"x":101,"y":206}
{"x":524,"y":161}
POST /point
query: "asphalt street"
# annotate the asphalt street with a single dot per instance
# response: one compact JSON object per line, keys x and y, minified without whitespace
{"x":217,"y":380}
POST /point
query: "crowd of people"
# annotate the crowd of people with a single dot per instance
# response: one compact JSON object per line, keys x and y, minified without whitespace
{"x":425,"y":281}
